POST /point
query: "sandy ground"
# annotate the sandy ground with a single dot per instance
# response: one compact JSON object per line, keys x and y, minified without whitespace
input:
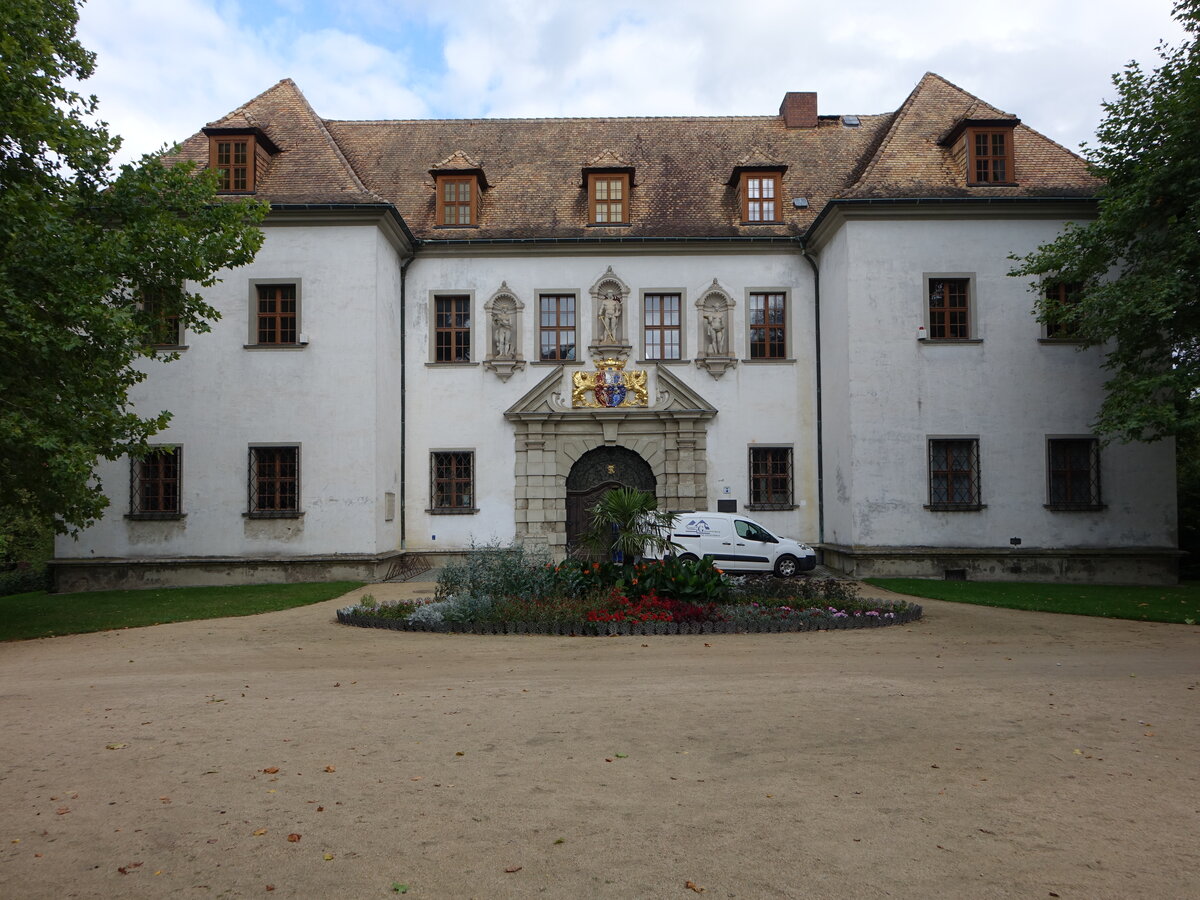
{"x":978,"y":753}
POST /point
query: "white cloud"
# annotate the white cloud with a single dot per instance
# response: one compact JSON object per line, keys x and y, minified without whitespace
{"x":166,"y":69}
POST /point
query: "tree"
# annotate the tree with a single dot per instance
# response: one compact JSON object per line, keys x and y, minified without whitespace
{"x":1133,"y":272}
{"x":81,"y":250}
{"x":628,"y":522}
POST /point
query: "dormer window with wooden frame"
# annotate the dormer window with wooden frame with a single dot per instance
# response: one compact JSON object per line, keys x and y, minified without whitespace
{"x":762,"y":198}
{"x":990,"y":156}
{"x":457,"y":200}
{"x":608,"y":198}
{"x":233,"y":158}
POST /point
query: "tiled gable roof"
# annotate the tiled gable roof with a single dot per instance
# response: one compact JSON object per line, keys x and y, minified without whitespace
{"x":310,"y":167}
{"x":683,"y":165}
{"x":911,"y":161}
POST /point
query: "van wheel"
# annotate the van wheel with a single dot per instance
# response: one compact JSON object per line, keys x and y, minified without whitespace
{"x":689,"y":557}
{"x":786,"y":566}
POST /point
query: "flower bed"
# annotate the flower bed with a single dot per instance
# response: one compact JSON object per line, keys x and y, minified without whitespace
{"x":502,"y":591}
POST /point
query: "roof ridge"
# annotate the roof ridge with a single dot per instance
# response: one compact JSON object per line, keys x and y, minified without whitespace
{"x":241,"y":108}
{"x":890,"y":134}
{"x":330,"y":140}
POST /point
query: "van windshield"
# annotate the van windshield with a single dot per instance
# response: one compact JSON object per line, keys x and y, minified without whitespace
{"x":752,"y":532}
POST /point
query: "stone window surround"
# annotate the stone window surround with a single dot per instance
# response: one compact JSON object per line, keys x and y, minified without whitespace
{"x":252,"y":317}
{"x":431,"y":358}
{"x":683,"y":324}
{"x":788,"y":336}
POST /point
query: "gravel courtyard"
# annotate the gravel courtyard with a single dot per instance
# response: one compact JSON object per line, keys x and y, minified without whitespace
{"x":978,"y":753}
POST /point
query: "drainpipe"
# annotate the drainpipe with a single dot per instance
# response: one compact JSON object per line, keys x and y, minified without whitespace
{"x":820,"y":419}
{"x":404,"y":395}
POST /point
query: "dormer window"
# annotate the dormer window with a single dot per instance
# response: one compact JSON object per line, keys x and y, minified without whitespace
{"x":457,"y":202}
{"x":233,"y":158}
{"x":990,"y":156}
{"x":608,"y":199}
{"x":760,"y":197}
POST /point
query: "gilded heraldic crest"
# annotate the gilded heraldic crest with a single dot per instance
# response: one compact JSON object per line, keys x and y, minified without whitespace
{"x":609,"y":386}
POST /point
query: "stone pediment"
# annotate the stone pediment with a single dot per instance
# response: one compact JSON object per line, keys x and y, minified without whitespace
{"x":552,"y":397}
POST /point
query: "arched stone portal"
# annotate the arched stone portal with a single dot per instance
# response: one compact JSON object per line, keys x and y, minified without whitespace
{"x":595,"y":474}
{"x":669,"y":437}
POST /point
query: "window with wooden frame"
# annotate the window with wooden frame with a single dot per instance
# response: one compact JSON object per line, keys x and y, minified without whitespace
{"x":162,"y":327}
{"x":457,"y":200}
{"x":452,"y":329}
{"x":608,"y":199}
{"x":452,"y":481}
{"x":233,"y":157}
{"x":1064,"y":295}
{"x":277,"y":318}
{"x":768,"y":325}
{"x":954,"y":474}
{"x":662,"y":326}
{"x":154,"y":483}
{"x":761,"y":197}
{"x":1073,"y":474}
{"x":274,"y":482}
{"x":990,"y":156}
{"x":771,"y":478}
{"x":556,"y":327}
{"x":949,"y":309}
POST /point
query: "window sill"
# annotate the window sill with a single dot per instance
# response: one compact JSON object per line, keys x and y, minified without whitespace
{"x":930,"y":341}
{"x":770,"y":361}
{"x":557,"y":362}
{"x":955,"y":507}
{"x":1075,"y":507}
{"x":450,"y":365}
{"x":155,"y":516}
{"x":274,"y":514}
{"x":993,"y":184}
{"x":454,"y":227}
{"x":608,"y":224}
{"x":662,"y":362}
{"x":464,"y":511}
{"x":1073,"y":342}
{"x":765,"y":222}
{"x":169,"y":348}
{"x":274,"y":346}
{"x":776,"y":507}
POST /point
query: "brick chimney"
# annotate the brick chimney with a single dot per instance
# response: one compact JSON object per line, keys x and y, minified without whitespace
{"x":799,"y":109}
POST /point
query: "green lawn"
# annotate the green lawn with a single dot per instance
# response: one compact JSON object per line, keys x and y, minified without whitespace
{"x":40,"y":614}
{"x":1151,"y":604}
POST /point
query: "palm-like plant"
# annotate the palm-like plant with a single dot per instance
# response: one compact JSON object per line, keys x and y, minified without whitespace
{"x":627,"y":524}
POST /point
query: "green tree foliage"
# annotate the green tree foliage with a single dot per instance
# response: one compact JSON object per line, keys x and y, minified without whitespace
{"x":1138,"y":262}
{"x":80,"y":248}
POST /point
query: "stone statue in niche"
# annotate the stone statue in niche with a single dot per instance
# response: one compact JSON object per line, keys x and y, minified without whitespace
{"x":714,"y":332}
{"x":502,"y":343}
{"x":610,"y":315}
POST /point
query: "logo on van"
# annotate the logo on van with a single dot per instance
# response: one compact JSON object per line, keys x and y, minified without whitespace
{"x":699,"y":526}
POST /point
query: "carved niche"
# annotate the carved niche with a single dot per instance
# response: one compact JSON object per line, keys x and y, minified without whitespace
{"x":504,"y":312}
{"x":609,"y":314}
{"x":715,"y":308}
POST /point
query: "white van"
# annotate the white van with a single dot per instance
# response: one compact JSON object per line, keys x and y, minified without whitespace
{"x":737,"y":543}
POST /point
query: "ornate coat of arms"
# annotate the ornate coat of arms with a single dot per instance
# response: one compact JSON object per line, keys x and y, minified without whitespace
{"x":609,"y":386}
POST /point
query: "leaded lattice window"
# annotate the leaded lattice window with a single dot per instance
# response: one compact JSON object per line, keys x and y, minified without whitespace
{"x":274,"y":481}
{"x":771,"y":478}
{"x":954,"y":474}
{"x":453,"y":481}
{"x":1073,"y":473}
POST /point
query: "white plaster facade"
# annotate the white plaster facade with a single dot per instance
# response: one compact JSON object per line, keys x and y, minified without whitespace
{"x":856,"y":398}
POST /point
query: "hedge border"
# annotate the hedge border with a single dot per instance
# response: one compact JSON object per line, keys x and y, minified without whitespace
{"x":630,"y":629}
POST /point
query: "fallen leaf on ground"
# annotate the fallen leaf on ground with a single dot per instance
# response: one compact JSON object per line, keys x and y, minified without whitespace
{"x":327,"y":857}
{"x":270,"y":887}
{"x":512,"y":869}
{"x":259,"y":832}
{"x":63,"y":810}
{"x":124,"y":870}
{"x":115,"y":746}
{"x":399,"y":888}
{"x":459,"y":753}
{"x":691,"y":885}
{"x":331,"y":768}
{"x":621,"y":755}
{"x":293,"y":837}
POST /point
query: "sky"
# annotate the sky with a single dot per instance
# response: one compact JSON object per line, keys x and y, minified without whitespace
{"x":165,"y":68}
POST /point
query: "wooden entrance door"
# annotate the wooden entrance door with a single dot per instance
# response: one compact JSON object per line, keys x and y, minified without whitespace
{"x":595,"y":474}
